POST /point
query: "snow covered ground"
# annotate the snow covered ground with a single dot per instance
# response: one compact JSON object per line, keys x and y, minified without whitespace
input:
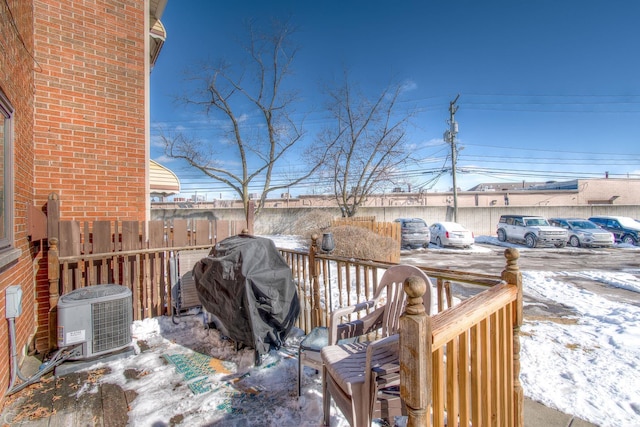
{"x":587,"y":366}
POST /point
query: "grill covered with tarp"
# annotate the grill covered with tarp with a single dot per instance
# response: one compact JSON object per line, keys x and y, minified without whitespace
{"x":247,"y":286}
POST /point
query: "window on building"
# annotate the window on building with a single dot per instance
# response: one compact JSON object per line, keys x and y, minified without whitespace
{"x":6,"y":174}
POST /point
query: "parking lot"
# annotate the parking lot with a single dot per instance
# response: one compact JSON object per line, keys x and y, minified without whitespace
{"x":487,"y":256}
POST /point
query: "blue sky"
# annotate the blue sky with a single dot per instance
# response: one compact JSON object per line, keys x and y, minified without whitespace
{"x":549,"y":90}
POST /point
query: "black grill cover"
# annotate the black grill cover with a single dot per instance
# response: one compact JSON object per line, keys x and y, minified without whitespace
{"x":247,"y":285}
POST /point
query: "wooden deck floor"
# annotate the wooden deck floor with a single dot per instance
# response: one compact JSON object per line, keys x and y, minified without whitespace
{"x":75,"y":399}
{"x":78,"y":399}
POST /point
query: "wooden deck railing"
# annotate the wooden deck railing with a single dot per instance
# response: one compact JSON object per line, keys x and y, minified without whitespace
{"x":468,"y":364}
{"x":326,"y":282}
{"x":464,"y":358}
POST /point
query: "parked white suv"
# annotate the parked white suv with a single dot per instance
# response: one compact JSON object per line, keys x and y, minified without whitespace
{"x":532,"y":230}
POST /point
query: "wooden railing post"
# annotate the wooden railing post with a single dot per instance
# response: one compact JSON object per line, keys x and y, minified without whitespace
{"x":315,"y":283}
{"x":513,"y":276}
{"x":53,"y":274}
{"x":53,"y":265}
{"x":415,"y":355}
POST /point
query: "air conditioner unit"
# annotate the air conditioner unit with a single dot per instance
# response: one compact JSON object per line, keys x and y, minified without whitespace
{"x":97,"y":317}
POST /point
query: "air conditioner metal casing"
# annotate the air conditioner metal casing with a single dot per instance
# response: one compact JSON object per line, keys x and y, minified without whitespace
{"x":97,"y":317}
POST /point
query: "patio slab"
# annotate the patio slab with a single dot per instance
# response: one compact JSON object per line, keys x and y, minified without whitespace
{"x":538,"y":415}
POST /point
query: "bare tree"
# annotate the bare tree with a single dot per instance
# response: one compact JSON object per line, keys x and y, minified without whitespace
{"x":366,"y":143}
{"x":253,"y":114}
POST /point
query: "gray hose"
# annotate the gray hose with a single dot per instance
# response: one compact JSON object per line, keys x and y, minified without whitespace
{"x":60,"y":356}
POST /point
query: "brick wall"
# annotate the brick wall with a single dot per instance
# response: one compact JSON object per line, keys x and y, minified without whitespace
{"x":89,"y":130}
{"x":16,"y":83}
{"x":90,"y":107}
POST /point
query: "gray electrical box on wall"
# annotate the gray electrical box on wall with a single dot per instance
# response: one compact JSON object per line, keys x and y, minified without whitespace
{"x":13,"y":301}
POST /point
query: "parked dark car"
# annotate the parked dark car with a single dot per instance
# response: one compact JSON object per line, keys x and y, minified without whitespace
{"x":624,"y":228}
{"x":583,"y":232}
{"x":414,"y":233}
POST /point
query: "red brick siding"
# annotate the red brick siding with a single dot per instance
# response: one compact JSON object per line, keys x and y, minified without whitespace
{"x":74,"y":73}
{"x":16,"y":83}
{"x":90,"y":107}
{"x":89,"y":131}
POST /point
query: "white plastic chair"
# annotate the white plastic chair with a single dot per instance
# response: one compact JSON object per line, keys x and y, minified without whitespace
{"x":356,"y":375}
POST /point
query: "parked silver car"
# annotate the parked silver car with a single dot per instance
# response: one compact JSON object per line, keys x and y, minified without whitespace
{"x":583,"y":232}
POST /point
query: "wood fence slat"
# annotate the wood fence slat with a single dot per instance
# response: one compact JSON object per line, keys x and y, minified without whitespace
{"x":451,"y":384}
{"x":117,"y":247}
{"x":359,"y":292}
{"x":87,"y":247}
{"x":340,"y":283}
{"x":117,"y":236}
{"x":505,"y":336}
{"x":438,"y":388}
{"x":509,"y":352}
{"x":154,"y":300}
{"x":494,"y":337}
{"x":156,"y":238}
{"x":180,"y":233}
{"x":464,"y":383}
{"x":485,"y":374}
{"x":127,"y":265}
{"x":348,"y":285}
{"x":143,"y":297}
{"x":65,"y":286}
{"x":137,"y":308}
{"x":69,"y":244}
{"x":368,"y":286}
{"x":130,"y":240}
{"x":102,"y":238}
{"x":326,"y":276}
{"x":203,"y":231}
{"x":222,"y":230}
{"x":306,"y":281}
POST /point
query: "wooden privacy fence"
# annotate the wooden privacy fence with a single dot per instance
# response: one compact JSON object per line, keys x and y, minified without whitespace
{"x":391,"y":230}
{"x":130,"y":253}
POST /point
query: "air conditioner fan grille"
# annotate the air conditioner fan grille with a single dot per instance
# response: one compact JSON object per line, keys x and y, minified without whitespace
{"x":111,"y":324}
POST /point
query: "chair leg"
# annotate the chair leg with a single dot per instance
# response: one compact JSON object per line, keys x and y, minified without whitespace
{"x":326,"y":400}
{"x":299,"y":372}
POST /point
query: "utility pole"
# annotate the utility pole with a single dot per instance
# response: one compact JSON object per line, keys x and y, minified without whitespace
{"x":450,"y":136}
